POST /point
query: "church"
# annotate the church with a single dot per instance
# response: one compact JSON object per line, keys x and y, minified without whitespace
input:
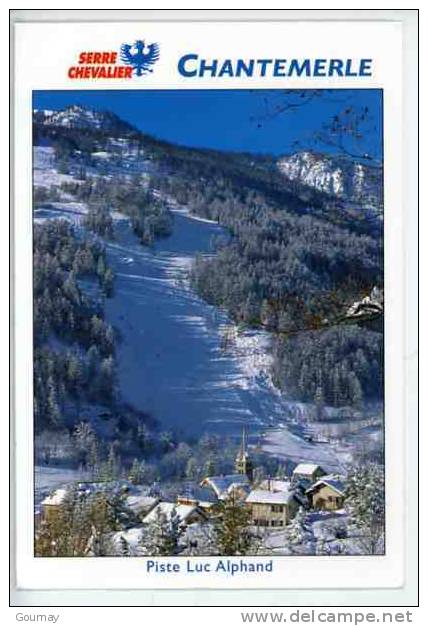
{"x":272,"y":503}
{"x":237,"y":485}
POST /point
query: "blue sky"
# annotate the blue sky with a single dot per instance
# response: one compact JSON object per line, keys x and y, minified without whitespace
{"x":239,"y":120}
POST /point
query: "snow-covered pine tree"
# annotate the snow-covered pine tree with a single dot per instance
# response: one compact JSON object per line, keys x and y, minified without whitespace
{"x":299,"y":535}
{"x":84,"y":438}
{"x":68,"y":532}
{"x":201,"y":542}
{"x":319,"y":403}
{"x":110,"y":469}
{"x":209,"y":467}
{"x":365,"y":501}
{"x":231,"y":528}
{"x":52,"y":403}
{"x":124,"y":548}
{"x":93,"y":460}
{"x":136,"y":473}
{"x":191,"y":468}
{"x":355,"y":390}
{"x":322,"y":547}
{"x":162,"y":534}
{"x":108,"y":281}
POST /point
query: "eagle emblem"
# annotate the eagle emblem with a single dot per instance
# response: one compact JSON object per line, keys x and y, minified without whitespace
{"x":140,"y":56}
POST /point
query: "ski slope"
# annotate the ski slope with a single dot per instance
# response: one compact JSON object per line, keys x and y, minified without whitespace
{"x":172,"y":362}
{"x":171,"y":353}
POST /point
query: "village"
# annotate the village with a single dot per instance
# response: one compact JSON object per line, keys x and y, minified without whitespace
{"x":277,"y":512}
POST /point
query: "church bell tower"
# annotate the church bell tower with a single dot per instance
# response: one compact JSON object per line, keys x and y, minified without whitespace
{"x":243,"y":462}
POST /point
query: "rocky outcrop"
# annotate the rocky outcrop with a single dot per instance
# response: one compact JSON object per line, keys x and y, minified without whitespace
{"x":335,"y":175}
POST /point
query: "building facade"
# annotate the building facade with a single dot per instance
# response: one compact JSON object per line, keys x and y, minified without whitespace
{"x":271,"y":509}
{"x":326,"y":494}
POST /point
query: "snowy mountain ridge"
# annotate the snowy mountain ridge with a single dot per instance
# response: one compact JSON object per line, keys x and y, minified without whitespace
{"x":76,"y":116}
{"x":342,"y":178}
{"x":336,"y":175}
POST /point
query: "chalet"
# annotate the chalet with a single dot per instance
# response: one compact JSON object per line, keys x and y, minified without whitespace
{"x":272,"y":508}
{"x":328,"y":493}
{"x":205,"y":505}
{"x":278,"y":485}
{"x":51,"y":505}
{"x":307,"y":473}
{"x":187,"y":513}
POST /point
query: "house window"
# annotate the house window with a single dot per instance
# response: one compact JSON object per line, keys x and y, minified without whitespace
{"x":277,"y":522}
{"x":330,"y":498}
{"x":261,"y":522}
{"x":277,"y":508}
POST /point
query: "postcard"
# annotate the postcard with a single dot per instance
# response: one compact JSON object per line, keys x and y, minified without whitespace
{"x":209,"y":305}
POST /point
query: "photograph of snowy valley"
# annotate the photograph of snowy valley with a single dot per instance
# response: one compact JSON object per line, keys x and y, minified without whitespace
{"x":208,"y":323}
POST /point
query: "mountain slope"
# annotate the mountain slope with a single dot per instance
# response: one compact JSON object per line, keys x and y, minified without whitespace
{"x":296,"y":255}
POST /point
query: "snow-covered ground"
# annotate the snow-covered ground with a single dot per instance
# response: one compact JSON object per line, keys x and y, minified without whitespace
{"x":180,"y":359}
{"x":46,"y":479}
{"x":71,"y":211}
{"x":327,"y":533}
{"x":45,"y":173}
{"x":283,"y":443}
{"x":172,"y":361}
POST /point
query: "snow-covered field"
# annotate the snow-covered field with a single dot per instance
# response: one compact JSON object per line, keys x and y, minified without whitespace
{"x":44,"y":172}
{"x":46,"y":479}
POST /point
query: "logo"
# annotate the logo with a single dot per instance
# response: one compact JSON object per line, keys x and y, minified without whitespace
{"x":139,"y":57}
{"x":134,"y":59}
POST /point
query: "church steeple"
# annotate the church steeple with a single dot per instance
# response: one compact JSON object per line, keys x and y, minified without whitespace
{"x":243,"y":462}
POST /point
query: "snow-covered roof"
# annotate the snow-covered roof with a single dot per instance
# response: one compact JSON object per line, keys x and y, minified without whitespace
{"x":167,"y":508}
{"x":273,"y":484}
{"x":306,"y":469}
{"x":244,"y":486}
{"x":262,"y":496}
{"x":138,"y":503}
{"x":220,"y":484}
{"x":132,"y":536}
{"x":56,"y":498}
{"x":205,"y":504}
{"x":331,"y":481}
{"x":203,"y":494}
